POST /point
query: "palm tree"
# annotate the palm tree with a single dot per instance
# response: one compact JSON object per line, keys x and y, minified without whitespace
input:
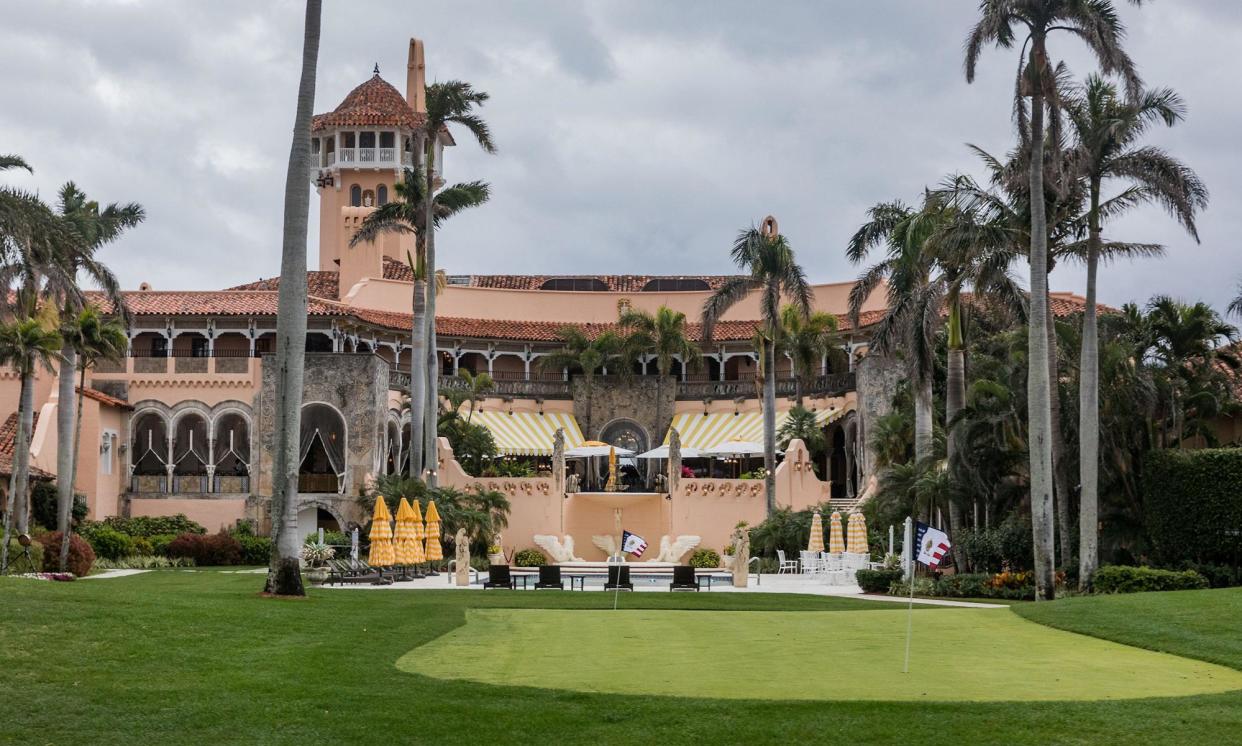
{"x":1108,"y":129}
{"x":27,"y":345}
{"x":1001,"y":23}
{"x":587,"y":356}
{"x":94,"y":338}
{"x":806,"y":342}
{"x":663,"y":335}
{"x":478,"y":386}
{"x":1235,"y":305}
{"x":403,"y":215}
{"x":93,"y":228}
{"x":450,"y":103}
{"x":284,"y":577}
{"x":1186,"y":342}
{"x":767,"y":261}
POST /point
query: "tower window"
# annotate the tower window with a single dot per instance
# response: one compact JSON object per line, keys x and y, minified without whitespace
{"x":355,"y":196}
{"x":366,"y":139}
{"x":382,"y":192}
{"x":315,"y":145}
{"x":580,"y":284}
{"x":347,"y":140}
{"x":387,"y":139}
{"x":675,"y":285}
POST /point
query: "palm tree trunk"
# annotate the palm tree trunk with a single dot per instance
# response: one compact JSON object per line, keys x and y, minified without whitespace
{"x":1060,"y":478}
{"x":284,"y":577}
{"x":955,"y":399}
{"x":433,"y":398}
{"x":1089,"y":411}
{"x":1038,"y":385}
{"x":77,"y":425}
{"x":418,"y":377}
{"x":923,"y":429}
{"x":17,"y":480}
{"x":769,"y":427}
{"x":64,"y":447}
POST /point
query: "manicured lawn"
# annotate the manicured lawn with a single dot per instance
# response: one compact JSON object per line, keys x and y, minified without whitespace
{"x":669,"y":652}
{"x":198,"y":656}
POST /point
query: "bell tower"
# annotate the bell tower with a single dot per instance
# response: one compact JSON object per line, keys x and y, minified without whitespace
{"x":359,"y":152}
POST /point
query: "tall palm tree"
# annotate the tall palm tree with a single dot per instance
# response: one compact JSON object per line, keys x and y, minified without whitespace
{"x":284,"y":577}
{"x":806,"y":342}
{"x":662,"y":334}
{"x":94,"y":339}
{"x":1235,"y":305}
{"x":1107,"y":130}
{"x":1002,"y":22}
{"x":1186,"y":342}
{"x":404,"y":215}
{"x":770,"y":269}
{"x":93,"y":228}
{"x":27,"y":345}
{"x":587,"y":356}
{"x":450,"y":103}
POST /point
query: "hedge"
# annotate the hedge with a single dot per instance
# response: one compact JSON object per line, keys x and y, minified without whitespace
{"x":877,"y":581}
{"x":529,"y":558}
{"x":1125,"y":579}
{"x":1192,"y":505}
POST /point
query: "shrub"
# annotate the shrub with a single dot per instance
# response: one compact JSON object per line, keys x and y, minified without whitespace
{"x":1218,"y":576}
{"x":877,"y":581}
{"x":705,"y":558}
{"x":153,"y":525}
{"x":81,"y":556}
{"x":1192,"y":507}
{"x":143,"y":563}
{"x":142,"y":546}
{"x":214,"y":549}
{"x":160,"y":542}
{"x":36,"y":555}
{"x":109,"y":543}
{"x":529,"y":558}
{"x":1126,"y":579}
{"x":1004,"y":547}
{"x":44,"y":509}
{"x":255,"y":550}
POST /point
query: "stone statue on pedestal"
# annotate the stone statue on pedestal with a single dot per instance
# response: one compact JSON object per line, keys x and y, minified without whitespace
{"x":462,"y":566}
{"x":741,"y":556}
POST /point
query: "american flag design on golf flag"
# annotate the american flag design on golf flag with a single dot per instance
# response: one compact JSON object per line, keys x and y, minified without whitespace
{"x":633,"y":544}
{"x":932,"y":543}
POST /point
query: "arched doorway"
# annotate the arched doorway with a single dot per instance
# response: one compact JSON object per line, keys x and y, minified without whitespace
{"x":322,"y":466}
{"x":232,"y":453}
{"x":630,"y":435}
{"x":191,"y":453}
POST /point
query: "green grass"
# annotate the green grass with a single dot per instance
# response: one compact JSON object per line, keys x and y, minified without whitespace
{"x":670,"y":652}
{"x":180,"y":656}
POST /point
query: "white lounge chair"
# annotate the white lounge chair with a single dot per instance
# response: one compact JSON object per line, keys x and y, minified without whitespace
{"x":810,"y":562}
{"x":785,"y":565}
{"x":832,"y":568}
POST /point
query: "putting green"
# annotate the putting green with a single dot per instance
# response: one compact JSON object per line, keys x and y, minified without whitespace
{"x":958,"y":654}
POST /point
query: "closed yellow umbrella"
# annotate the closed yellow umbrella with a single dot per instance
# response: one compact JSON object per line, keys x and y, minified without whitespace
{"x":435,"y":552}
{"x":416,"y":528}
{"x":381,"y":554}
{"x":858,"y":535}
{"x":817,"y":533}
{"x":836,"y":537}
{"x":404,"y":535}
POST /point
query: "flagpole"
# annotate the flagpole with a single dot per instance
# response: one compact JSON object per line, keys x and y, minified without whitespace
{"x":908,"y":550}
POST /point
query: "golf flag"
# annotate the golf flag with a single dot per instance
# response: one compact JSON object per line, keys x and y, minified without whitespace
{"x":633,"y":544}
{"x":932,"y":543}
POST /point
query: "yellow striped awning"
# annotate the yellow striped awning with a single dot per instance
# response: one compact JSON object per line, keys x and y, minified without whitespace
{"x":706,"y":431}
{"x":528,"y":433}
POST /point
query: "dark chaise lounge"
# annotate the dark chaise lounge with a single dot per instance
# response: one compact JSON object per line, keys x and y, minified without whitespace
{"x":550,"y":578}
{"x":498,"y":576}
{"x":684,"y":579}
{"x":352,"y":571}
{"x":618,"y":578}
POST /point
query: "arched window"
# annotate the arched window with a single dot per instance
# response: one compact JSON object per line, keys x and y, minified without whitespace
{"x":382,"y":194}
{"x":321,"y":450}
{"x":149,"y":449}
{"x":355,"y":196}
{"x":580,"y":284}
{"x":675,"y":285}
{"x":232,"y":453}
{"x":190,"y":453}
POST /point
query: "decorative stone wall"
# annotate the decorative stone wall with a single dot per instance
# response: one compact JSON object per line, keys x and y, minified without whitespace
{"x":356,"y":385}
{"x":878,"y":379}
{"x":647,"y":401}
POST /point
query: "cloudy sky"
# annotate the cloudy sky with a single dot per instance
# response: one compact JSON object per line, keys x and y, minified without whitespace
{"x":634,"y":137}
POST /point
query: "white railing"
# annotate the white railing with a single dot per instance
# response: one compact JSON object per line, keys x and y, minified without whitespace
{"x":366,"y":155}
{"x":347,"y":155}
{"x":407,"y":159}
{"x":387,"y":155}
{"x":331,"y":158}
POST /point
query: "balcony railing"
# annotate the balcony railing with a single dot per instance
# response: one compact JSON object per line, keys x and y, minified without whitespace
{"x":380,"y":157}
{"x":321,"y":483}
{"x":224,"y":362}
{"x":189,"y":484}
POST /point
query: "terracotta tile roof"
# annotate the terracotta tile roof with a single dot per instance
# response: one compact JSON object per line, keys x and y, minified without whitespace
{"x":321,"y":284}
{"x":8,"y":434}
{"x":103,"y":398}
{"x":614,"y":283}
{"x":210,"y":303}
{"x":374,"y":103}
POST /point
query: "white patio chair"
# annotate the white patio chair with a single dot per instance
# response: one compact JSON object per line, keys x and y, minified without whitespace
{"x":785,"y":565}
{"x":833,"y":568}
{"x":810,"y":562}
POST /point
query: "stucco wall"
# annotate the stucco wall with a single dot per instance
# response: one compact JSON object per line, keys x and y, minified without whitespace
{"x":212,"y":513}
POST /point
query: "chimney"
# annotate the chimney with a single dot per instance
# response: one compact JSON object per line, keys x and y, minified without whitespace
{"x":416,"y":78}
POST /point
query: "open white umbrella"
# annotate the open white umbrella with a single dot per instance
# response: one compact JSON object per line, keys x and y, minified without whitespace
{"x":662,"y":453}
{"x":735,"y":448}
{"x":593,"y":448}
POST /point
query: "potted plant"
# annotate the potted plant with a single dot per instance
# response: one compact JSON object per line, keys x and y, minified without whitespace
{"x":315,"y":556}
